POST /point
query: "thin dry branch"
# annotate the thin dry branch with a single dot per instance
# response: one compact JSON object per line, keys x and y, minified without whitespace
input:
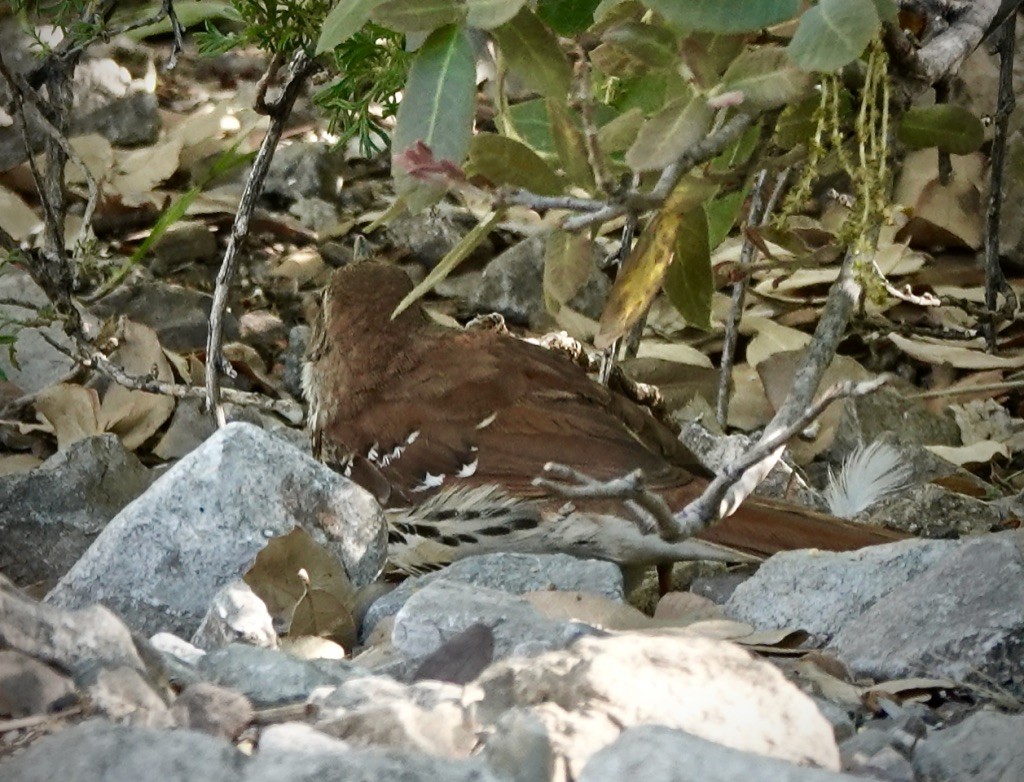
{"x":302,"y":68}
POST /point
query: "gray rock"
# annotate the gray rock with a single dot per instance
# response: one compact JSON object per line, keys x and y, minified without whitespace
{"x":443,"y":609}
{"x":985,"y":747}
{"x":65,"y":638}
{"x":427,"y":236}
{"x":292,"y":357}
{"x":588,"y":694}
{"x":96,"y":750}
{"x":368,"y":765}
{"x":656,"y":753}
{"x":520,"y":748}
{"x":889,"y":412}
{"x":236,"y":614}
{"x":293,"y":737}
{"x":304,"y":170}
{"x":513,"y":284}
{"x":183,"y":243}
{"x":377,"y":711}
{"x":269,"y":677}
{"x":211,"y":709}
{"x":178,"y":315}
{"x":822,"y":592}
{"x":961,"y":618}
{"x":511,"y":573}
{"x":934,"y":511}
{"x":202,"y":523}
{"x":123,"y":695}
{"x":39,"y":363}
{"x":51,"y":515}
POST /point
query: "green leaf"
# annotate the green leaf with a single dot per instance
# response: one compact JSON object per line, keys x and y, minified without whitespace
{"x":618,"y":134}
{"x":419,"y":16}
{"x":440,"y":97}
{"x":486,"y":14}
{"x":739,"y":152}
{"x":648,"y":44}
{"x":567,"y":17}
{"x":951,"y":128}
{"x":725,"y":16}
{"x":344,"y":21}
{"x":646,"y":93}
{"x":505,"y":161}
{"x":722,"y":213}
{"x":534,"y":55}
{"x":833,"y":34}
{"x":690,"y":282}
{"x":568,"y":264}
{"x":531,"y":122}
{"x":767,"y":78}
{"x":568,"y":141}
{"x":666,"y":135}
{"x":887,"y":10}
{"x":455,"y":256}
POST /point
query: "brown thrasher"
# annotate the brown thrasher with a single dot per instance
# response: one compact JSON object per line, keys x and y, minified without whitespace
{"x":448,"y":429}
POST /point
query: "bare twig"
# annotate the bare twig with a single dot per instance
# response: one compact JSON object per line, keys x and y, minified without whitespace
{"x":22,"y":94}
{"x":739,"y":295}
{"x":995,"y":282}
{"x":703,"y":512}
{"x":700,"y":152}
{"x":301,"y":68}
{"x":943,"y":54}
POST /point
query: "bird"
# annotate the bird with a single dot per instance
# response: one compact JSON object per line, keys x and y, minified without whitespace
{"x":449,"y":429}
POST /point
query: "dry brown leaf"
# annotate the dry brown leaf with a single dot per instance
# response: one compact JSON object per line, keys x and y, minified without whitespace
{"x":275,"y":578}
{"x":749,"y":407}
{"x":954,"y":354}
{"x":589,"y":608}
{"x":141,"y":170}
{"x":18,"y":463}
{"x":678,"y":352}
{"x":17,"y":217}
{"x":771,"y":338}
{"x":685,"y":608}
{"x":975,"y":453}
{"x":942,"y":215}
{"x":777,"y":376}
{"x":135,"y":416}
{"x":72,"y":411}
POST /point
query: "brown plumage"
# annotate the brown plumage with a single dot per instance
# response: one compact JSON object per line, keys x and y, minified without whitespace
{"x":448,"y":429}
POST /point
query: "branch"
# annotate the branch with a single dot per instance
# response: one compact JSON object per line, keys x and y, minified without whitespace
{"x":302,"y":67}
{"x":944,"y":54}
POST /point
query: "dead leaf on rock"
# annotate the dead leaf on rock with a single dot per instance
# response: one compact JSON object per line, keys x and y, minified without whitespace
{"x":17,"y":217}
{"x":685,"y":608}
{"x":135,"y":416}
{"x":305,"y":587}
{"x":72,"y":411}
{"x":589,"y":608}
{"x":18,"y":463}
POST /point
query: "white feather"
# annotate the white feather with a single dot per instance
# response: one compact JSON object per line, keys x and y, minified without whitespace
{"x":869,"y":473}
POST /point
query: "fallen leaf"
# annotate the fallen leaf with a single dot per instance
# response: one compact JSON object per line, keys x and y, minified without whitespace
{"x":73,"y":411}
{"x":956,"y":355}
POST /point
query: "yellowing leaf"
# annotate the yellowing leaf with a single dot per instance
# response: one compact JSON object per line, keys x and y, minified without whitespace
{"x":644,"y":270}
